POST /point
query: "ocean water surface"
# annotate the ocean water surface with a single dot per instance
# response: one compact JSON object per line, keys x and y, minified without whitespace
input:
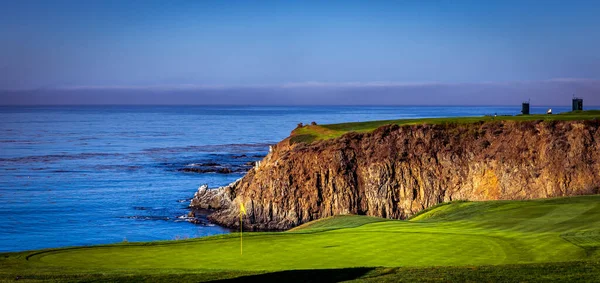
{"x":85,"y":175}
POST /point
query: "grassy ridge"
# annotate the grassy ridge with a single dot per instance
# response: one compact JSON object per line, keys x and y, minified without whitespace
{"x":322,"y":132}
{"x":337,"y":222}
{"x":463,"y":240}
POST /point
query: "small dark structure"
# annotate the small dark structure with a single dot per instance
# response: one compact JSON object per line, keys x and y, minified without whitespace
{"x":525,"y":108}
{"x":577,"y":104}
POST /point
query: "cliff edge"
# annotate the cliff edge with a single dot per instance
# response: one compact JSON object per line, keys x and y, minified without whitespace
{"x":397,"y":170}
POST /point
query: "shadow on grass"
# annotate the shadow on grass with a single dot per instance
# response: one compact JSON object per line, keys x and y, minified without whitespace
{"x":313,"y":275}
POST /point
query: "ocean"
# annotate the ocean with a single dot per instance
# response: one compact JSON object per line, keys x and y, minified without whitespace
{"x":86,"y":175}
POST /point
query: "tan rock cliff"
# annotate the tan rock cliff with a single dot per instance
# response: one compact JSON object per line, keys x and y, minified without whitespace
{"x":397,"y":171}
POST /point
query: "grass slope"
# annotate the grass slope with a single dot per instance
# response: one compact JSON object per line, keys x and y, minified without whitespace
{"x":538,"y":240}
{"x":321,"y":132}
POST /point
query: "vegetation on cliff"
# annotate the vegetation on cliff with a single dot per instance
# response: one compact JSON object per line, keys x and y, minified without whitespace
{"x":538,"y":240}
{"x":310,"y":133}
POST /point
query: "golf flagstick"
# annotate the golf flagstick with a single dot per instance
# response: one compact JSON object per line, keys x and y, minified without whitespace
{"x":242,"y":213}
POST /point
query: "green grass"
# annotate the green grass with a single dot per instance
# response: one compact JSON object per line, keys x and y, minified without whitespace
{"x":309,"y":134}
{"x":537,"y":240}
{"x":337,"y":222}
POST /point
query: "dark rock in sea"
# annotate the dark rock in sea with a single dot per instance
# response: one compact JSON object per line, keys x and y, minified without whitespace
{"x":209,"y":164}
{"x":223,"y":168}
{"x":207,"y":170}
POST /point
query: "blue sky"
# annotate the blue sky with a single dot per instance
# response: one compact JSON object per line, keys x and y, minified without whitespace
{"x":269,"y":51}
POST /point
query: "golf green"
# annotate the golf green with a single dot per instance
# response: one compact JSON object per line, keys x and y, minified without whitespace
{"x":458,"y":234}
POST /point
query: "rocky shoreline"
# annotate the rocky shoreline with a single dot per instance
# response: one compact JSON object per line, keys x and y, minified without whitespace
{"x":396,"y":171}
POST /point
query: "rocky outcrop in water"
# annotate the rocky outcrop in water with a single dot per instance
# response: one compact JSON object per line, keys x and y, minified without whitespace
{"x":212,"y":167}
{"x":395,"y":171}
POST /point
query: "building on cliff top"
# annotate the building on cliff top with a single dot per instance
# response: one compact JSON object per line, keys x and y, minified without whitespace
{"x":525,"y":108}
{"x":577,"y":104}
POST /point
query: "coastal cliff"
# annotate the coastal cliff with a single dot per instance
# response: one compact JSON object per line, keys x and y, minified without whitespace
{"x":396,"y":171}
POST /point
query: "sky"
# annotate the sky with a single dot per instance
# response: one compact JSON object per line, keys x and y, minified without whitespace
{"x":299,"y":52}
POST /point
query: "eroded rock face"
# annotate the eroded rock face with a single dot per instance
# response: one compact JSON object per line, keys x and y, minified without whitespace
{"x":206,"y":198}
{"x":395,"y":171}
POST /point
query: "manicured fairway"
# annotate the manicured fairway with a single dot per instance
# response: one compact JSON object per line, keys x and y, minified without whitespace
{"x":535,"y":235}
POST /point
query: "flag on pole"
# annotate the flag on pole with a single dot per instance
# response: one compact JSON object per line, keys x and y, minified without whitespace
{"x":242,"y":209}
{"x":242,"y":213}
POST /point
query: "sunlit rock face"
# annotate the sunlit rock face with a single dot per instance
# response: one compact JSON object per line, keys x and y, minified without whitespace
{"x":394,"y":172}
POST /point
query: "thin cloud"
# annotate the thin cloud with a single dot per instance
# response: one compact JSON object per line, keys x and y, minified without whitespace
{"x":310,"y":84}
{"x":543,"y":92}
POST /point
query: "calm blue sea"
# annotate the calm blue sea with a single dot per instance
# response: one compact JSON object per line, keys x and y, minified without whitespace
{"x":85,"y":175}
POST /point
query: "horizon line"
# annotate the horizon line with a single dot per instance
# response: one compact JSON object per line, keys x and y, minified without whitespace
{"x":292,"y":105}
